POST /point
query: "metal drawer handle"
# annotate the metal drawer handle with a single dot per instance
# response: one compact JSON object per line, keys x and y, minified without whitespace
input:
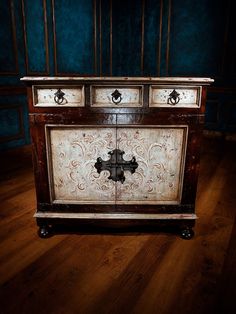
{"x":116,"y":97}
{"x":59,"y":96}
{"x":116,"y":165}
{"x":173,"y":98}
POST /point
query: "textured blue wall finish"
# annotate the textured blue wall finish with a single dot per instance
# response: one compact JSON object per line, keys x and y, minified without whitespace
{"x":116,"y":37}
{"x":14,"y":130}
{"x":127,"y":38}
{"x":35,"y":31}
{"x":197,"y":37}
{"x":8,"y":51}
{"x":74,"y":36}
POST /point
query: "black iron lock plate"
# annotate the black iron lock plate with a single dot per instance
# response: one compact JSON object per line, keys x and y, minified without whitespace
{"x":173,"y":98}
{"x":59,"y":96}
{"x":116,"y":97}
{"x":116,"y":165}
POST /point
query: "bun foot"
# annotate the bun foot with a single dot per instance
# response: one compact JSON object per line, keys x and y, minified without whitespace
{"x":187,"y":233}
{"x":44,"y":232}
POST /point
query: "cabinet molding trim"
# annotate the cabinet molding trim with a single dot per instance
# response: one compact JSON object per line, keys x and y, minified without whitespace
{"x":113,"y":216}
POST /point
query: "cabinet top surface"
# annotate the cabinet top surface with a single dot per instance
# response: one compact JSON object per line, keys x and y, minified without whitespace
{"x":184,"y":80}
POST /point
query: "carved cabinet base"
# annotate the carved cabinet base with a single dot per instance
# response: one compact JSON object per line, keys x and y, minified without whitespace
{"x":51,"y":226}
{"x":116,"y":151}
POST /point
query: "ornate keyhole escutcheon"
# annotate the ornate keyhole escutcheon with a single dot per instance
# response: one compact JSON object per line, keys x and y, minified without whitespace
{"x":173,"y":98}
{"x":116,"y":97}
{"x":59,"y":97}
{"x":116,"y":165}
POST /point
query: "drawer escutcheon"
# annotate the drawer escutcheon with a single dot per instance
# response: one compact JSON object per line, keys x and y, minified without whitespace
{"x":116,"y":97}
{"x":173,"y":98}
{"x":59,"y":96}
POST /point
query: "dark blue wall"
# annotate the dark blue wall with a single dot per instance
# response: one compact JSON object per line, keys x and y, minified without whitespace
{"x":111,"y":37}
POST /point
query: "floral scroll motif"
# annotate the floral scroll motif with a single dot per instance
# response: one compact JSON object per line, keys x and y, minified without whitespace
{"x":158,"y":152}
{"x":74,"y":153}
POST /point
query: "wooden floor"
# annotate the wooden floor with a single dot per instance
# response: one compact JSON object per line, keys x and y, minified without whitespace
{"x":120,"y":273}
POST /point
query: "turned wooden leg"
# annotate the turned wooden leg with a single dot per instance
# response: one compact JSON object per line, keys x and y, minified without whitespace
{"x":187,"y":233}
{"x":44,"y":231}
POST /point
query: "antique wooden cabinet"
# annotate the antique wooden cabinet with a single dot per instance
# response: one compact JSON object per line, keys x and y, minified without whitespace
{"x":121,"y":149}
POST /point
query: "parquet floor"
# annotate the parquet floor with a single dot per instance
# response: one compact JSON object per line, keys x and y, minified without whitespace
{"x":136,"y":272}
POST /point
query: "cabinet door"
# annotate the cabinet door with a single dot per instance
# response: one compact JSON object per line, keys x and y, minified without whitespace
{"x":158,"y":179}
{"x":160,"y":154}
{"x":72,"y":154}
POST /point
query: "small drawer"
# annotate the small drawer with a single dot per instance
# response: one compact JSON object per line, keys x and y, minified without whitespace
{"x":116,"y":96}
{"x":175,"y":96}
{"x":58,"y":96}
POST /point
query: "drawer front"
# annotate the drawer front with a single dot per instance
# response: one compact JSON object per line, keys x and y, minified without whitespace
{"x":175,"y":96}
{"x":116,"y":96}
{"x":58,"y":96}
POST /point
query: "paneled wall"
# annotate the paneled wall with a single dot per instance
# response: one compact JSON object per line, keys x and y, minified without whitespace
{"x":118,"y":38}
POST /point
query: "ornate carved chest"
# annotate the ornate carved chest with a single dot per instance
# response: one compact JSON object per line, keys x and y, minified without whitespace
{"x":116,"y":150}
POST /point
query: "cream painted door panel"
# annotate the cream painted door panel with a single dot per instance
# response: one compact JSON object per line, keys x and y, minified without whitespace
{"x":116,"y":96}
{"x":160,"y":154}
{"x":72,"y":153}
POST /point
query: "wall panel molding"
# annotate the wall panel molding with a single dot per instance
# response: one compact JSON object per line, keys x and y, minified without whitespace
{"x":168,"y":37}
{"x":12,"y":90}
{"x":226,"y":38}
{"x":55,"y":44}
{"x":152,"y":37}
{"x":100,"y":37}
{"x":221,"y":89}
{"x":200,"y":13}
{"x":160,"y":38}
{"x":26,"y":44}
{"x":111,"y":65}
{"x":104,"y":16}
{"x":20,"y":134}
{"x":127,"y":22}
{"x":95,"y":36}
{"x":231,"y":118}
{"x":14,"y":41}
{"x":142,"y":38}
{"x":212,"y":114}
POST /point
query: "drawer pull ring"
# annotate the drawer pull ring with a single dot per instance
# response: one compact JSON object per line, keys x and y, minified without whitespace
{"x":116,"y":97}
{"x":116,"y":165}
{"x":173,"y":98}
{"x":59,"y":97}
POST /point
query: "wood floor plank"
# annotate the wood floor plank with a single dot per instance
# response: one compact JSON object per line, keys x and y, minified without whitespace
{"x":120,"y":272}
{"x":226,"y":301}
